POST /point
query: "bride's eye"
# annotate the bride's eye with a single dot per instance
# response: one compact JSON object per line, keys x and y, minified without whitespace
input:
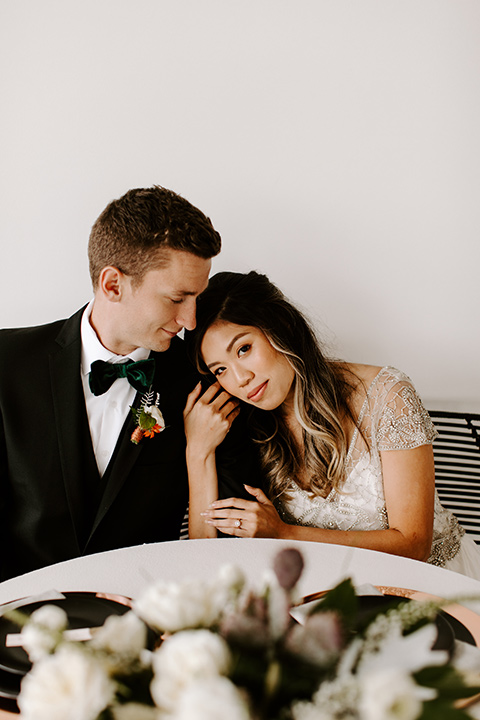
{"x":218,"y":371}
{"x":243,"y":349}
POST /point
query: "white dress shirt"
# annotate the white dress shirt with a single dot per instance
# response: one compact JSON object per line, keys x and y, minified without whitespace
{"x":107,"y":412}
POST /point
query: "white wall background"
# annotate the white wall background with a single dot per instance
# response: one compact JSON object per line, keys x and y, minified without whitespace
{"x":334,"y":143}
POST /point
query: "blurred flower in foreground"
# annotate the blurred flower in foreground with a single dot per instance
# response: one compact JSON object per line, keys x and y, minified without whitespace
{"x":41,"y":636}
{"x":69,"y":684}
{"x":225,"y":651}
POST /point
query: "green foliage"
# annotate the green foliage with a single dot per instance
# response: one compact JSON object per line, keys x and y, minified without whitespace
{"x":447,"y":680}
{"x":144,"y":420}
{"x":439,"y":710}
{"x":343,"y":600}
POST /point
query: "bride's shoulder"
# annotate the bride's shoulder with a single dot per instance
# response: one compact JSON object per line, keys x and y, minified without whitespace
{"x":375,"y":381}
{"x":366,"y":374}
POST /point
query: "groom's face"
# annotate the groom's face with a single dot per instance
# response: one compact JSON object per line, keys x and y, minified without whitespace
{"x":164,"y":303}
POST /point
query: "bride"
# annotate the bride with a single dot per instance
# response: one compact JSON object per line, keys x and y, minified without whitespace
{"x":346,"y":449}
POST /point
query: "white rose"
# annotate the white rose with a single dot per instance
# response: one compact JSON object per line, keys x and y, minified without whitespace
{"x":135,"y":711}
{"x":51,"y":616}
{"x":226,"y":589}
{"x":408,"y":653}
{"x":230,"y":578}
{"x":154,"y":411}
{"x":171,"y":607}
{"x":391,"y":694}
{"x":69,"y":684}
{"x":309,"y":711}
{"x":189,"y":655}
{"x":335,"y":698}
{"x":215,"y":698}
{"x":279,"y":602}
{"x":43,"y":632}
{"x":122,"y":635}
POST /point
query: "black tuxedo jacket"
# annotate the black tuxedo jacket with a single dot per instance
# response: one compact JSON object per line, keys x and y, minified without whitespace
{"x":53,"y":504}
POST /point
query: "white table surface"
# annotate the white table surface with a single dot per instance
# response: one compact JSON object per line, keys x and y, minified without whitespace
{"x":128,"y":571}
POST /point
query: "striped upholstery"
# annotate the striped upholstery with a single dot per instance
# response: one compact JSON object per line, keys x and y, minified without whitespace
{"x":184,"y":527}
{"x":457,"y":466}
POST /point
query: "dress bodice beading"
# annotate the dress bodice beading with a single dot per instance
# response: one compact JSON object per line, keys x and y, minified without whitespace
{"x":392,"y":418}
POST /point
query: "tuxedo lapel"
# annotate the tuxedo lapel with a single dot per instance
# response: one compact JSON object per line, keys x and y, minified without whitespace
{"x":119,"y":467}
{"x":75,"y":446}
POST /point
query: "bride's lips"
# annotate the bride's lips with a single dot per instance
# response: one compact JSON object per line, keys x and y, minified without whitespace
{"x":258,"y":392}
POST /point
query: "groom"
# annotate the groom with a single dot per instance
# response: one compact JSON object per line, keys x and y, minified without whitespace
{"x":72,"y":481}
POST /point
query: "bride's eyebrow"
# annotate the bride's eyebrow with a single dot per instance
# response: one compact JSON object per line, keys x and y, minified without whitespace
{"x":229,"y":347}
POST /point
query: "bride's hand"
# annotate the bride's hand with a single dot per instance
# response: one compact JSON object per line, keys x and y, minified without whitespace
{"x":246,"y":518}
{"x":207,"y":418}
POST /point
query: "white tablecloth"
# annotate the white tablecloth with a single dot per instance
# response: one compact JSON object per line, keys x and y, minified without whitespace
{"x":128,"y":571}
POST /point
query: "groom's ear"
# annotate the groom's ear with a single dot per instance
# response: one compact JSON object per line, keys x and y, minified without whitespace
{"x":111,"y":283}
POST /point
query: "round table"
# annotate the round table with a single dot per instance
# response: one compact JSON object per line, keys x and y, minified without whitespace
{"x":128,"y":571}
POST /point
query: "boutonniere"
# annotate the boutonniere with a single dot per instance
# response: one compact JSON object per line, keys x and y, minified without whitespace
{"x":148,"y":417}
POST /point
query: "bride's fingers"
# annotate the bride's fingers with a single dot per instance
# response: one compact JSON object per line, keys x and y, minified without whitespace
{"x":258,"y":494}
{"x":230,"y":515}
{"x":230,"y":413}
{"x":224,"y":401}
{"x":230,"y":526}
{"x":232,"y":503}
{"x":233,"y":413}
{"x":210,"y":393}
{"x":192,"y":398}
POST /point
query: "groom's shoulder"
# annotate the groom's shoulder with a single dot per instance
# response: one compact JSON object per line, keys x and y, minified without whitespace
{"x":34,"y":338}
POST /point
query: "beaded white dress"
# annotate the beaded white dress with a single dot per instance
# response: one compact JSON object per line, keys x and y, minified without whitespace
{"x":392,"y":418}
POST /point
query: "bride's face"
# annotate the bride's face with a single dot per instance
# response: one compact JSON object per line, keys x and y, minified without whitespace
{"x":247,"y":365}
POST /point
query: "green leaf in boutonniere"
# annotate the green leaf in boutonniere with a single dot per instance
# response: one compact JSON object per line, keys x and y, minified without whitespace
{"x":148,"y":417}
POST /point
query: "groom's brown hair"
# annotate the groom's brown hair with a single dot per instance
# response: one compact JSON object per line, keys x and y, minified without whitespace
{"x":132,"y":230}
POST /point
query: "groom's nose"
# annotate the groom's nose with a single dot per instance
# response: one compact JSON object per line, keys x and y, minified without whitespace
{"x":186,"y":316}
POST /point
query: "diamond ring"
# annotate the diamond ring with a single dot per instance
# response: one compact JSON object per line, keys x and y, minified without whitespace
{"x":238,"y":523}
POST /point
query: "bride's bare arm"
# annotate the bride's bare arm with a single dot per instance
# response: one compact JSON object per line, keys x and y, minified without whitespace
{"x":207,"y":420}
{"x":409,"y":495}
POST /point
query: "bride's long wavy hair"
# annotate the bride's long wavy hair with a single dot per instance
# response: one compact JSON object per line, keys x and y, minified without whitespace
{"x":322,"y":387}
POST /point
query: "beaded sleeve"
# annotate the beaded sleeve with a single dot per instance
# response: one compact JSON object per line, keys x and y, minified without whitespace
{"x":402,"y":423}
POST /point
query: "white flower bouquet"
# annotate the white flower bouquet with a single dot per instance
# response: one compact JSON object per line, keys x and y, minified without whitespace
{"x":227,"y":652}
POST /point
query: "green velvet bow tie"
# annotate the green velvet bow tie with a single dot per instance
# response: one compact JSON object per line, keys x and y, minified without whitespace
{"x":103,"y":374}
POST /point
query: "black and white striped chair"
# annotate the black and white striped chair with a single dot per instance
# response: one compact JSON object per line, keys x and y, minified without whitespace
{"x":184,"y":528}
{"x":457,"y":466}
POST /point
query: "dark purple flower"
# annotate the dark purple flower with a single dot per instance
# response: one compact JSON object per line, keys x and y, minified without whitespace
{"x":319,"y":641}
{"x":288,"y":566}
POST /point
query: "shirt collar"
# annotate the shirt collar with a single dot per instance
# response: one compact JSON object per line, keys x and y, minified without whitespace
{"x":92,"y":348}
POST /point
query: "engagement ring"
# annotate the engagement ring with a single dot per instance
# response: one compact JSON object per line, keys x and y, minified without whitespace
{"x":238,"y":523}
